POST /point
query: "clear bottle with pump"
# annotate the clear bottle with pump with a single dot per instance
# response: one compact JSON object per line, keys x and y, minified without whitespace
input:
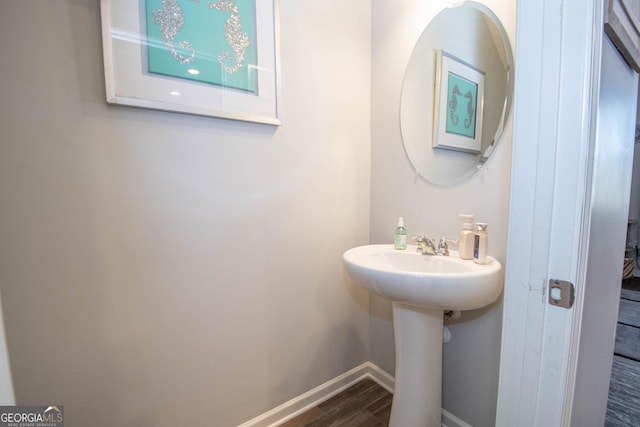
{"x":400,"y":236}
{"x":466,"y":242}
{"x":480,"y":243}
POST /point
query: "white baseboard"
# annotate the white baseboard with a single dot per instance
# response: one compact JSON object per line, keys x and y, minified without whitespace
{"x":450,"y":420}
{"x":314,"y":397}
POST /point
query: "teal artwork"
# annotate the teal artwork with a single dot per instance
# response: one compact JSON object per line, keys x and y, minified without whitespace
{"x":462,"y":97}
{"x":213,"y":42}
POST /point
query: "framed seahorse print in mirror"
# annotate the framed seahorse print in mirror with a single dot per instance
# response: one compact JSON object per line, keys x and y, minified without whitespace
{"x":458,"y":104}
{"x":214,"y":58}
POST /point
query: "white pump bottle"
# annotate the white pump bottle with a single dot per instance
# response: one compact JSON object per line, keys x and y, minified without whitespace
{"x":465,"y":247}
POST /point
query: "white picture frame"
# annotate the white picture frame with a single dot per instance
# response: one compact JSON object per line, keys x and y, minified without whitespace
{"x":128,"y":81}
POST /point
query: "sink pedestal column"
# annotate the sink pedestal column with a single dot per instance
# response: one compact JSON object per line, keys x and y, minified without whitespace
{"x":417,"y":397}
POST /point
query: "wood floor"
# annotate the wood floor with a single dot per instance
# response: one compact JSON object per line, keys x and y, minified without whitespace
{"x":623,"y":408}
{"x":365,"y":404}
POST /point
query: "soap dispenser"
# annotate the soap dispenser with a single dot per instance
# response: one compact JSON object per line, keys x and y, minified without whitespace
{"x":400,"y":236}
{"x":465,"y":247}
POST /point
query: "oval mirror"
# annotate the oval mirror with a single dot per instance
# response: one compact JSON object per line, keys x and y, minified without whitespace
{"x":456,"y":93}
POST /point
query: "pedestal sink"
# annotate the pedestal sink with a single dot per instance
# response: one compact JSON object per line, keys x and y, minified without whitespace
{"x":420,"y":288}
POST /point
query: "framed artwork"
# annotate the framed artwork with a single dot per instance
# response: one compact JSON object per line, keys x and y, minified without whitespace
{"x":209,"y":58}
{"x":458,"y":104}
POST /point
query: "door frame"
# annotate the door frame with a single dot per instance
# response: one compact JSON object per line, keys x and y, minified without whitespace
{"x":558,"y":48}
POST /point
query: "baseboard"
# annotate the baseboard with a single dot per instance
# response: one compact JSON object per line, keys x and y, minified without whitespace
{"x":450,"y":420}
{"x":314,"y":397}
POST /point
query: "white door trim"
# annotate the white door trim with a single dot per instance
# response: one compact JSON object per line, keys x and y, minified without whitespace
{"x":555,"y":62}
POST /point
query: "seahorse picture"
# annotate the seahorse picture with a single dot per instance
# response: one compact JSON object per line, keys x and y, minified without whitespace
{"x":213,"y":42}
{"x":462,"y":104}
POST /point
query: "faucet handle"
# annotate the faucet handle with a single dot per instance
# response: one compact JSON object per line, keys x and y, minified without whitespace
{"x":443,"y":247}
{"x":444,"y":242}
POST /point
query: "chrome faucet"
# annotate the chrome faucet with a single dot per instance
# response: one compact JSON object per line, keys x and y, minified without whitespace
{"x":428,"y":246}
{"x":425,"y":246}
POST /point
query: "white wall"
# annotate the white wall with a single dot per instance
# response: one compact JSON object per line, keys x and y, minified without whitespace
{"x":7,"y":396}
{"x":160,"y":269}
{"x":471,"y":359}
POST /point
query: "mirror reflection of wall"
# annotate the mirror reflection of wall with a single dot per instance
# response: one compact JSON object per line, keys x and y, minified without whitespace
{"x":474,"y":35}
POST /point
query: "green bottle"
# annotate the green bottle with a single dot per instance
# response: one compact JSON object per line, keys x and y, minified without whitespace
{"x":400,"y":236}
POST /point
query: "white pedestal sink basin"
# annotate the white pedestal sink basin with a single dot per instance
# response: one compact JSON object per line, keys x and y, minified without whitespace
{"x":421,"y":287}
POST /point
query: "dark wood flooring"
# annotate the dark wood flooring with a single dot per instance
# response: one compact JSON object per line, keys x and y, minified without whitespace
{"x":365,"y":404}
{"x":623,"y":408}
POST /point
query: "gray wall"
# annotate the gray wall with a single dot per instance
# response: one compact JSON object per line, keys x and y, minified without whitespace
{"x":159,"y":269}
{"x":608,"y":207}
{"x":634,"y":205}
{"x":471,"y":359}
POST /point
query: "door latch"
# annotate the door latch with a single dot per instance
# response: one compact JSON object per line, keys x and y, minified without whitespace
{"x":561,"y":293}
